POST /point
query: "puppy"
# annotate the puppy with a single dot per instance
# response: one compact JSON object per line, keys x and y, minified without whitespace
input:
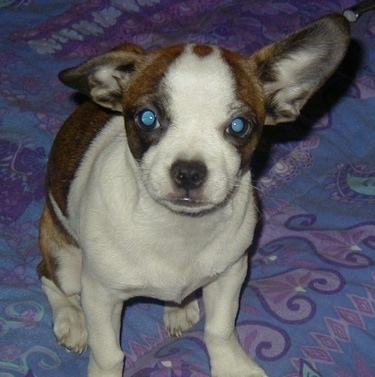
{"x":149,"y":189}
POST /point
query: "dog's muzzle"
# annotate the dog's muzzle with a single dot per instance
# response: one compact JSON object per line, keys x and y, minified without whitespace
{"x":188,"y":178}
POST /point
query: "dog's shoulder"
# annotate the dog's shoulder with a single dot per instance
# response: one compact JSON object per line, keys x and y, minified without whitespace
{"x":70,"y":146}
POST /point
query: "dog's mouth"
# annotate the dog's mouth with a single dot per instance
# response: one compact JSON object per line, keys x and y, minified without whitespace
{"x":193,"y":201}
{"x":188,"y":202}
{"x":188,"y":206}
{"x":194,"y":206}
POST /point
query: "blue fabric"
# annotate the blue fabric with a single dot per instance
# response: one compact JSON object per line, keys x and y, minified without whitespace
{"x":308,"y":306}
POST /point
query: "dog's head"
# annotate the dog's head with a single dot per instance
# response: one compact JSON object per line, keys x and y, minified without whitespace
{"x":194,"y":113}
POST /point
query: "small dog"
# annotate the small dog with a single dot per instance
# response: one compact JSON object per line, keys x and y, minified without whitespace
{"x":149,"y":188}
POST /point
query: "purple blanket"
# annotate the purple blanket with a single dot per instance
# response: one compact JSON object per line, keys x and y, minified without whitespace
{"x":308,"y":307}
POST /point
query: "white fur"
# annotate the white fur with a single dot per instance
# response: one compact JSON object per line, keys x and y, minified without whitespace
{"x":68,"y":319}
{"x":133,"y":244}
{"x":289,"y":88}
{"x":202,"y":93}
{"x":117,"y":221}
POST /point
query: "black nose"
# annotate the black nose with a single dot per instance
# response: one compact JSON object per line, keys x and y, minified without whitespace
{"x":188,"y":175}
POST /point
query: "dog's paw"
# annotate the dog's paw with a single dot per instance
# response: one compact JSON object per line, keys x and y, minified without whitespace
{"x":249,"y":369}
{"x":70,"y":329}
{"x":178,"y":319}
{"x":228,"y":358}
{"x":257,"y":372}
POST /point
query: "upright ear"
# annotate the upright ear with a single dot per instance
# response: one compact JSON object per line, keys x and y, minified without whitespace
{"x":105,"y":77}
{"x":295,"y":67}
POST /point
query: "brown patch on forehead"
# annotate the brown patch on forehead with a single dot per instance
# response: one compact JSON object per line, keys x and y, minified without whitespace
{"x":249,"y":91}
{"x":147,"y":78}
{"x":202,"y":50}
{"x":145,"y":85}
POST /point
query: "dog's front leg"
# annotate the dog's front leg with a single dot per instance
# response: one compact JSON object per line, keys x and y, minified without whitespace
{"x":103,"y":318}
{"x":221,"y":300}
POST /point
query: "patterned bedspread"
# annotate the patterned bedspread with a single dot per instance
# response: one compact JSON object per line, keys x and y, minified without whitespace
{"x":308,"y":307}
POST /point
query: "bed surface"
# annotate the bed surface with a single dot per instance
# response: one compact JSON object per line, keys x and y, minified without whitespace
{"x":308,"y":307}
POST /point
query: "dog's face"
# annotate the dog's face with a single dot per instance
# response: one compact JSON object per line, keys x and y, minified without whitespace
{"x":194,"y":113}
{"x":193,"y":133}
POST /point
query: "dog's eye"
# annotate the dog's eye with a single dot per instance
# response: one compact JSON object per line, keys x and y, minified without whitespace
{"x":239,"y":127}
{"x":147,"y":120}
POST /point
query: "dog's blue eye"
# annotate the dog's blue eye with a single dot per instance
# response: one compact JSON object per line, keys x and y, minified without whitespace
{"x":147,"y":120}
{"x":239,"y":127}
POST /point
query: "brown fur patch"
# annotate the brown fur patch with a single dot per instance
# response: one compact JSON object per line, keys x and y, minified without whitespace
{"x":145,"y":84}
{"x":149,"y":75}
{"x":128,"y":47}
{"x":69,"y":148}
{"x":52,"y":238}
{"x":202,"y":50}
{"x":250,"y":93}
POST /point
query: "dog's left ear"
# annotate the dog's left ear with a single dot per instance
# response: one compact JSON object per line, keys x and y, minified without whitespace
{"x":105,"y":77}
{"x":294,"y":68}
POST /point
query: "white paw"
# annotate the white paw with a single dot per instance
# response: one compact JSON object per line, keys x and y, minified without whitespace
{"x":70,"y":329}
{"x":247,"y":369}
{"x":178,"y":319}
{"x":228,"y":359}
{"x":110,"y":368}
{"x":236,"y":372}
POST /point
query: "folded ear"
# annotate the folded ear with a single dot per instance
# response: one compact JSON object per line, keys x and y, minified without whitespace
{"x":295,"y":67}
{"x":105,"y":77}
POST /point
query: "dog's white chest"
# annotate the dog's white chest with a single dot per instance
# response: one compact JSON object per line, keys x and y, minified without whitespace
{"x":163,"y":258}
{"x":135,"y":245}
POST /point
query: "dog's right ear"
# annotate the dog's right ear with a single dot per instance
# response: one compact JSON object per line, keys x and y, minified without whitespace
{"x":104,"y":78}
